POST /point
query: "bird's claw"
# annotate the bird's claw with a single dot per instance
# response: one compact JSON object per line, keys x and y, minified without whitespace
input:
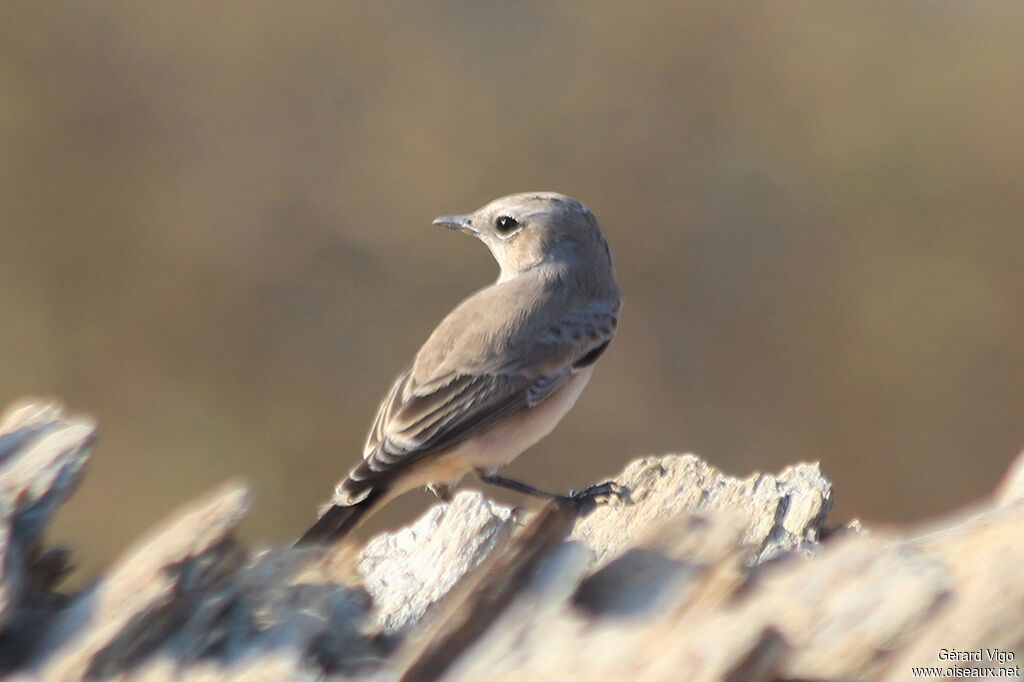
{"x":600,"y":492}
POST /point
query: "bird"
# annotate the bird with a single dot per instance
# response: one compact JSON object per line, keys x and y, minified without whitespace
{"x":500,"y":370}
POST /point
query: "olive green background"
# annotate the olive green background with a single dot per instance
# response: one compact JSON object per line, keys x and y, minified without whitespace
{"x":215,"y":234}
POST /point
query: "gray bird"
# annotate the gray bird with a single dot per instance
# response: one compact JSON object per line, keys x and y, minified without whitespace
{"x":501,"y":369}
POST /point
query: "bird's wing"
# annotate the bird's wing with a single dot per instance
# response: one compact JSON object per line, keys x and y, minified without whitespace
{"x":419,"y":417}
{"x":412,"y":424}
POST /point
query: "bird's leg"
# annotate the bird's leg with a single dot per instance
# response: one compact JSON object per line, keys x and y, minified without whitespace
{"x":442,"y":491}
{"x":600,"y":490}
{"x":512,"y":484}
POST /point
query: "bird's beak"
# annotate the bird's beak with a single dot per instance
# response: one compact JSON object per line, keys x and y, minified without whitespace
{"x":462,"y":223}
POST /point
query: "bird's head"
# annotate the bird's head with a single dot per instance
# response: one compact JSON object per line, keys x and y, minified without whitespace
{"x":526,"y":230}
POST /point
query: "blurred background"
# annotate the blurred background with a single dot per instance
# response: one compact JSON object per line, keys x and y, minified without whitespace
{"x":215,"y":235}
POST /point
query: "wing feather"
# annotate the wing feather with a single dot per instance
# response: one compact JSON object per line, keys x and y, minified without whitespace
{"x":429,"y":410}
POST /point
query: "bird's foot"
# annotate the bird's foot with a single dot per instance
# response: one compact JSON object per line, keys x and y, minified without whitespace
{"x":600,"y":493}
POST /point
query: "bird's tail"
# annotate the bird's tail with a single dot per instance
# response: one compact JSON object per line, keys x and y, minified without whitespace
{"x":339,"y":520}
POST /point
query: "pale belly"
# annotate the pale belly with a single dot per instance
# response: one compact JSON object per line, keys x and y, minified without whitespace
{"x":499,"y":444}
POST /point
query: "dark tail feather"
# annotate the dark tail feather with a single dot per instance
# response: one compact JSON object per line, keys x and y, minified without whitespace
{"x":338,"y":521}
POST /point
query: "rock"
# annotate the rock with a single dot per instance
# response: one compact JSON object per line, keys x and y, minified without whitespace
{"x":42,"y":459}
{"x":174,"y":582}
{"x":777,"y":513}
{"x":695,"y":575}
{"x":408,"y":571}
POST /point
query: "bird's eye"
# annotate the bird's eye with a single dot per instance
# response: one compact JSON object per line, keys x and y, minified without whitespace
{"x":505,"y":224}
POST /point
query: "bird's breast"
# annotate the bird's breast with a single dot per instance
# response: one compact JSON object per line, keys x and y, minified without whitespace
{"x":506,"y":440}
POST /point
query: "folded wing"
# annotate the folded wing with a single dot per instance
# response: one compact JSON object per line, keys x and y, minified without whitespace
{"x":447,"y":406}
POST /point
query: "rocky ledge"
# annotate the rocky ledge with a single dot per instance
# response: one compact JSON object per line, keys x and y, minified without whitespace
{"x":696,"y":575}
